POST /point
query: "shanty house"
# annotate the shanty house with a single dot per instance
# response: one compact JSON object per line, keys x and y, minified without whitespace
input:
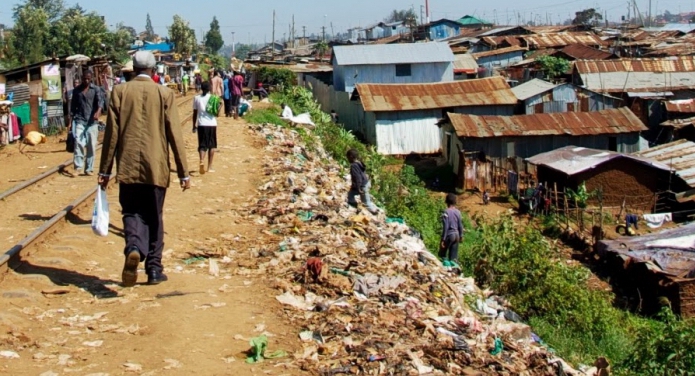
{"x":465,"y":67}
{"x":402,"y":118}
{"x":474,"y":23}
{"x":438,"y":30}
{"x":624,"y":179}
{"x":501,"y":143}
{"x":500,"y":58}
{"x":391,"y":64}
{"x":642,"y":83}
{"x":539,"y":96}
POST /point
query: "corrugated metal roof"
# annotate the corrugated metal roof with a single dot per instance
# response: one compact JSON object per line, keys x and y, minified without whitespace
{"x":490,"y":91}
{"x":402,"y":53}
{"x":562,"y":39}
{"x":684,"y":106}
{"x":675,"y":49}
{"x":497,"y":40}
{"x":679,"y":155}
{"x":666,"y":252}
{"x":636,"y":75}
{"x":572,"y":160}
{"x":581,"y":51}
{"x":679,"y":123}
{"x":499,"y":51}
{"x":465,"y":63}
{"x":532,"y":88}
{"x":684,"y":28}
{"x":612,"y":121}
{"x":653,"y":65}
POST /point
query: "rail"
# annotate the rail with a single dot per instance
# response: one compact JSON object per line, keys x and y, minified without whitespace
{"x":47,"y":225}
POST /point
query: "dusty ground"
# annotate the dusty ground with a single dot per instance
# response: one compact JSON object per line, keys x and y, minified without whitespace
{"x":194,"y":324}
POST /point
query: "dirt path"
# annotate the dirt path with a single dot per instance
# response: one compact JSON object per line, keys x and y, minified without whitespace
{"x":194,"y":324}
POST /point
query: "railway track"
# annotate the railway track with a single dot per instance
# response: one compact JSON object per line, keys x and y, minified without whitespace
{"x":46,"y":200}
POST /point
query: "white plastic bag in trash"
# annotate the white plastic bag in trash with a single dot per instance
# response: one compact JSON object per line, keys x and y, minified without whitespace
{"x":100,"y":215}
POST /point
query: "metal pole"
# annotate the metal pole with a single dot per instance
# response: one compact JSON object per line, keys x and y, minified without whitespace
{"x":272,"y":42}
{"x":233,"y":46}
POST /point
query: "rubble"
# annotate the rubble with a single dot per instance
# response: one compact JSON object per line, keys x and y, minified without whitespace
{"x":364,"y":293}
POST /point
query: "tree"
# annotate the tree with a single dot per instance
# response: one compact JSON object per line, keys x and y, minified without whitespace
{"x":407,"y":16}
{"x":182,"y":36}
{"x":553,"y":66}
{"x":127,"y":29}
{"x":213,"y":38}
{"x":321,"y":48}
{"x":149,"y":30}
{"x":28,"y":38}
{"x":79,"y":32}
{"x":53,"y":8}
{"x":242,"y":51}
{"x":587,"y":17}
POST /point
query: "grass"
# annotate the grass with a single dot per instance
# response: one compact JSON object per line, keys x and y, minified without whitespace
{"x":516,"y":262}
{"x":265,"y":116}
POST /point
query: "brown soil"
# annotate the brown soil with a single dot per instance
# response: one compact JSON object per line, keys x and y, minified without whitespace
{"x":194,"y":324}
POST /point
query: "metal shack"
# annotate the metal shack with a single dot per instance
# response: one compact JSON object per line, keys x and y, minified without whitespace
{"x":656,"y":265}
{"x":391,"y":64}
{"x":500,"y":58}
{"x":402,"y":119}
{"x":539,"y":96}
{"x":480,"y":147}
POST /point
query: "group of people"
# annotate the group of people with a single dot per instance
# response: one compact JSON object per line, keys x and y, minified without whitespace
{"x":230,"y":87}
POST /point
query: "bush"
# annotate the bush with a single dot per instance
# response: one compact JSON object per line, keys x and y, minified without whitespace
{"x":277,"y":76}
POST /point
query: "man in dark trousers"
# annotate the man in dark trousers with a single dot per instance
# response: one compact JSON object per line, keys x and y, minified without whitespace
{"x":142,"y":124}
{"x":85,"y":109}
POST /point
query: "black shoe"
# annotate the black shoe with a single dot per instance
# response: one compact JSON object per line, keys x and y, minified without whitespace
{"x":155,"y":278}
{"x":130,"y":268}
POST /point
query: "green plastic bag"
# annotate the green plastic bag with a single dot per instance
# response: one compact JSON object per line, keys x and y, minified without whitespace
{"x":258,"y":348}
{"x":213,"y":106}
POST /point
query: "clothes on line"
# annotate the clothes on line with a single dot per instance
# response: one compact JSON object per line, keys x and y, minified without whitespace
{"x":631,"y":219}
{"x":657,"y":220}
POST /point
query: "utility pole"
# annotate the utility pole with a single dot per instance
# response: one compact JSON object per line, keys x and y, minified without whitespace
{"x":323,"y":33}
{"x":650,"y":13}
{"x":332,"y":32}
{"x":293,"y":36}
{"x":233,"y":46}
{"x":272,"y":42}
{"x":422,"y":12}
{"x":304,"y":35}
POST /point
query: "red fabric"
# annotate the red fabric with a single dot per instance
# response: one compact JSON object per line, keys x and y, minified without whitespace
{"x":155,"y":78}
{"x":314,"y":266}
{"x":14,"y":123}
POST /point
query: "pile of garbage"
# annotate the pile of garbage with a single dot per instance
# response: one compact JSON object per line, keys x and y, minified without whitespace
{"x":365,"y":294}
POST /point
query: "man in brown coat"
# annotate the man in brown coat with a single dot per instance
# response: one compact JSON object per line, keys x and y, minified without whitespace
{"x":143,"y":122}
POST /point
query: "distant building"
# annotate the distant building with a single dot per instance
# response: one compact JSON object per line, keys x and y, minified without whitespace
{"x":391,"y":63}
{"x":542,"y":97}
{"x":499,"y":59}
{"x":402,"y":119}
{"x":474,"y":23}
{"x":438,"y":30}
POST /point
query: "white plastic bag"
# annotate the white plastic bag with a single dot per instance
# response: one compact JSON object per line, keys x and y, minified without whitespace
{"x":100,"y":215}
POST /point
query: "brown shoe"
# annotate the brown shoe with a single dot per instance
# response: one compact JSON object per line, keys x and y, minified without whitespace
{"x":130,"y":268}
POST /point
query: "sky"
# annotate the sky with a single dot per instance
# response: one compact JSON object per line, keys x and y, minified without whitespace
{"x":251,"y":21}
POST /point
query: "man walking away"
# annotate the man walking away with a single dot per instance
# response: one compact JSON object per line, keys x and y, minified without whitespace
{"x":185,"y":81}
{"x":237,"y":91}
{"x":142,"y":125}
{"x":85,"y":109}
{"x":227,"y":96}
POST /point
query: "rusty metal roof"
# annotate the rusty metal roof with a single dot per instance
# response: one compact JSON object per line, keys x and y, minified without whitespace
{"x":581,"y":51}
{"x":638,"y":75}
{"x":612,"y":121}
{"x":562,"y":39}
{"x":668,"y":252}
{"x":465,"y":63}
{"x":679,"y":155}
{"x":679,"y":123}
{"x":675,"y":49}
{"x":498,"y":40}
{"x":654,"y":65}
{"x":572,"y":160}
{"x":684,"y":106}
{"x":490,"y":91}
{"x":498,"y":51}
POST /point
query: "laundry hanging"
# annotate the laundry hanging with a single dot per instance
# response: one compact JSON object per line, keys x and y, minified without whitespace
{"x":657,"y":220}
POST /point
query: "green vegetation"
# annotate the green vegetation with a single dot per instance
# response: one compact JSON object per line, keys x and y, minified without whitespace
{"x":213,"y":38}
{"x":519,"y":263}
{"x":265,"y":116}
{"x":553,"y":66}
{"x":277,"y":77}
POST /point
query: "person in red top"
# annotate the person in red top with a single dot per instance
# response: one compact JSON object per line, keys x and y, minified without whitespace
{"x":261,"y":92}
{"x":237,"y":84}
{"x":156,"y":78}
